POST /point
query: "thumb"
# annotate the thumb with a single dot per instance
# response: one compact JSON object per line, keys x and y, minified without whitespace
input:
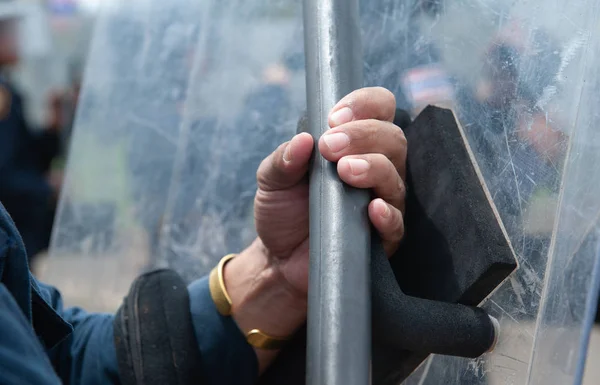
{"x":287,"y":165}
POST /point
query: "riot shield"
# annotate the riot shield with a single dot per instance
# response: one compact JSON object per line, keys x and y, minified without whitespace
{"x":182,"y":100}
{"x":114,"y":195}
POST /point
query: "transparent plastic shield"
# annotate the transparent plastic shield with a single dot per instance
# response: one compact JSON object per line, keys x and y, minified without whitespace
{"x":525,"y":92}
{"x":183,"y":99}
{"x":234,"y":116}
{"x":123,"y":148}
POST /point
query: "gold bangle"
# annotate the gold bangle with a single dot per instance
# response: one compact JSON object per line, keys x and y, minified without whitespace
{"x":260,"y":340}
{"x":216,"y":284}
{"x":222,"y":301}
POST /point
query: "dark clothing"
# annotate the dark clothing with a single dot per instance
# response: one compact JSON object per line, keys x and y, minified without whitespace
{"x":25,"y":158}
{"x":41,"y":342}
{"x":37,"y":345}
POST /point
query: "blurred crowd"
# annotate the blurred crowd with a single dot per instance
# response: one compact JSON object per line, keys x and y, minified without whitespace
{"x":31,"y":157}
{"x":518,"y":144}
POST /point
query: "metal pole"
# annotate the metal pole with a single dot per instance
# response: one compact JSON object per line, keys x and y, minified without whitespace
{"x":339,"y":307}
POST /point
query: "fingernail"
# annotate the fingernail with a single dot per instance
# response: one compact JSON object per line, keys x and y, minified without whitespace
{"x":287,"y":153}
{"x":336,"y":141}
{"x":358,"y":166}
{"x":341,"y":116}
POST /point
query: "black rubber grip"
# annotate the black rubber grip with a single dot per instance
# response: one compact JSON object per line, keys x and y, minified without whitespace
{"x":421,"y":325}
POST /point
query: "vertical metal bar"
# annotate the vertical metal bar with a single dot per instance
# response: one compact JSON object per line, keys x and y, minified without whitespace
{"x":339,"y":307}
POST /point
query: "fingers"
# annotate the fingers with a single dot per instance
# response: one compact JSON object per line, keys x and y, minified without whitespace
{"x":287,"y":165}
{"x":370,"y":152}
{"x":364,"y":137}
{"x":365,"y":103}
{"x":376,"y":172}
{"x":368,"y":113}
{"x":389,"y":222}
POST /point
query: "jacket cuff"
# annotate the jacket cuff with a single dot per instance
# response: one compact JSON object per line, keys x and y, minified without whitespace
{"x":227,"y":357}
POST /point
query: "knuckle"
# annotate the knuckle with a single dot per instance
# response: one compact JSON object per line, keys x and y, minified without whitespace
{"x":260,"y":172}
{"x":398,"y":155}
{"x":368,"y":131}
{"x":400,"y":137}
{"x":397,"y":228}
{"x":402,"y":189}
{"x":392,"y":189}
{"x":270,"y":168}
{"x":373,"y":101}
{"x":357,"y":101}
{"x":383,"y":173}
{"x":381,"y":163}
{"x":399,"y":190}
{"x":261,"y":179}
{"x":378,"y":132}
{"x":364,"y":134}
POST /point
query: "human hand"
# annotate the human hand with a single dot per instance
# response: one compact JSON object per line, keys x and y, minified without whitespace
{"x":370,"y":152}
{"x":268,"y":282}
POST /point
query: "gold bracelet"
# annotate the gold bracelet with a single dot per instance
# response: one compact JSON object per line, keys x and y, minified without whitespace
{"x":216,"y":284}
{"x":222,"y":301}
{"x":261,"y":340}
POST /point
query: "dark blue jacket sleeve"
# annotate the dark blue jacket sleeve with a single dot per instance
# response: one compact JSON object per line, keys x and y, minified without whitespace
{"x":22,"y":358}
{"x":88,"y":355}
{"x":25,"y":184}
{"x":227,"y":357}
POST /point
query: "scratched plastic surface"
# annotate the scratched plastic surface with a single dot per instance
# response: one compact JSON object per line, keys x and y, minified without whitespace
{"x":182,"y":99}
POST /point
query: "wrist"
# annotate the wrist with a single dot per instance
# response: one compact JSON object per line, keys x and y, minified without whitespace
{"x":262,"y":298}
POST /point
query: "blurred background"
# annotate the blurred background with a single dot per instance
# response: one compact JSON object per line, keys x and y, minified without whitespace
{"x":43,"y":52}
{"x":44,"y":47}
{"x":55,"y":37}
